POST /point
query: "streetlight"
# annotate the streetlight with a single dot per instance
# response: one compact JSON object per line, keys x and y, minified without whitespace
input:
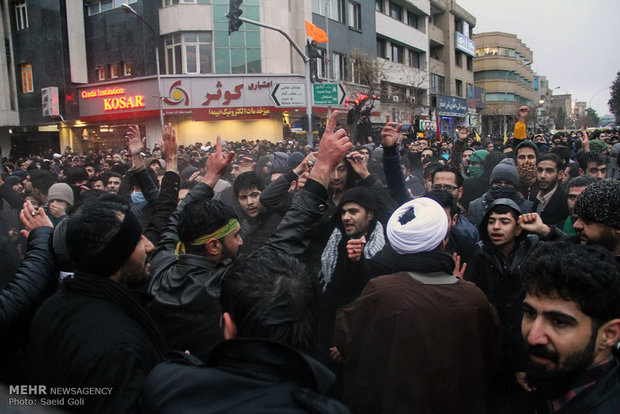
{"x":505,"y":90}
{"x":128,"y":9}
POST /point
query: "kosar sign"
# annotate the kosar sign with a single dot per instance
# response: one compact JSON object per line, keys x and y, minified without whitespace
{"x":114,"y":103}
{"x":129,"y":102}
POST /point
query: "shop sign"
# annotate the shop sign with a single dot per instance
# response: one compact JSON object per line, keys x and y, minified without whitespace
{"x":451,"y":106}
{"x":465,"y":44}
{"x":221,"y":114}
{"x":184,"y":94}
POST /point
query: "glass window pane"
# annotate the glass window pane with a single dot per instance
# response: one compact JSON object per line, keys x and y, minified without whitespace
{"x":253,"y":56}
{"x":189,"y":37}
{"x":222,"y":60}
{"x":237,"y":39}
{"x":252,"y":39}
{"x":178,"y":65}
{"x":205,"y":59}
{"x":106,"y":5}
{"x":220,"y":38}
{"x":237,"y":61}
{"x":190,"y":58}
{"x":204,"y":37}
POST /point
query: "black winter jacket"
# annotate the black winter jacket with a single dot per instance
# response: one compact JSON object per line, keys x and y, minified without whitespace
{"x":36,"y":279}
{"x":241,"y":376}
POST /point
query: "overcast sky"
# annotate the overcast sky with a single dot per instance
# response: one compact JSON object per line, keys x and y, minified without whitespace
{"x":576,"y":43}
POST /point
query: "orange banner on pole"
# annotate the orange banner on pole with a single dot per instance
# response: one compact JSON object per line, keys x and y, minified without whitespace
{"x":315,"y":33}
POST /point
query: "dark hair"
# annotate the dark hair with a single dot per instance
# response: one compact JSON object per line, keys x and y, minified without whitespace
{"x":269,"y":295}
{"x":200,"y":217}
{"x":563,"y":152}
{"x":405,"y":161}
{"x":581,"y":181}
{"x":431,"y":168}
{"x":502,"y":209}
{"x":586,"y":157}
{"x":110,"y":175}
{"x":42,"y":180}
{"x":247,"y":181}
{"x":451,"y":169}
{"x":559,"y":165}
{"x":444,"y":199}
{"x":75,"y":174}
{"x":586,"y":275}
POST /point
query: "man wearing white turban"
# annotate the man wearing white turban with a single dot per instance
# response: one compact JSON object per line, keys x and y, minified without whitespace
{"x":419,"y":340}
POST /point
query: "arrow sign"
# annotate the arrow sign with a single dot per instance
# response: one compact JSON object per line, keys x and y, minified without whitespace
{"x":289,"y":94}
{"x":328,"y":93}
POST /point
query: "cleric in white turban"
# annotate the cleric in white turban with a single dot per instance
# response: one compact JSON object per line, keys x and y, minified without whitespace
{"x":419,"y":225}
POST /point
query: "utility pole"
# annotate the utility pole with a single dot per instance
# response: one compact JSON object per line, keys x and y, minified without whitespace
{"x":234,"y":23}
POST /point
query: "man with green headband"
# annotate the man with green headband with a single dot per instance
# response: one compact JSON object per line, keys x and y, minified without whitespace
{"x":202,"y":239}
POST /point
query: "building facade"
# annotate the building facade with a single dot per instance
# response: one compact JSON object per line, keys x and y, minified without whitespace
{"x":451,"y":67}
{"x":503,"y":68}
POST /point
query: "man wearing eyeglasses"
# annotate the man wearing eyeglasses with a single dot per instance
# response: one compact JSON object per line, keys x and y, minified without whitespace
{"x":448,"y":178}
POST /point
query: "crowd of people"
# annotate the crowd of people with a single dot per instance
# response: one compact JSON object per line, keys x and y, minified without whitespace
{"x":406,"y":275}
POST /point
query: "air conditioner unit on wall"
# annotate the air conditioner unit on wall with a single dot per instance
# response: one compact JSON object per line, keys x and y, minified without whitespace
{"x":395,"y":98}
{"x":49,"y":101}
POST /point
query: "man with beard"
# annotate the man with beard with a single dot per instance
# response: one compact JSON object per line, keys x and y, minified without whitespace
{"x":551,"y":195}
{"x":598,"y":216}
{"x":571,"y":322}
{"x":526,"y":155}
{"x":94,"y":331}
{"x":574,"y":188}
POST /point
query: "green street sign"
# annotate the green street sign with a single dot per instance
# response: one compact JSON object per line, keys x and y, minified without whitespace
{"x":328,"y":94}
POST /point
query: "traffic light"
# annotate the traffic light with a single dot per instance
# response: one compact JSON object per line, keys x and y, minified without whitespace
{"x":234,"y":12}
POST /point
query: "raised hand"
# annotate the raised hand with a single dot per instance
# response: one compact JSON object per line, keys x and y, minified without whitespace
{"x":459,"y":271}
{"x":532,"y":223}
{"x":332,"y":148}
{"x":390,"y":133}
{"x":359,"y":163}
{"x":33,"y":218}
{"x":355,"y":249}
{"x":134,"y":142}
{"x":170,"y":148}
{"x":463,"y":134}
{"x":304,"y":165}
{"x":217,"y":163}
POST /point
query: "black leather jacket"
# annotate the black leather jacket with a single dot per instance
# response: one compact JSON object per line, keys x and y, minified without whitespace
{"x":186,"y":288}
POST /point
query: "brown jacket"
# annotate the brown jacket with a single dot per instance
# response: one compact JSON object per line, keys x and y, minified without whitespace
{"x":418,"y":343}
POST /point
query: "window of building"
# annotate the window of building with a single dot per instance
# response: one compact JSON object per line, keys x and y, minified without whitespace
{"x":337,"y":10}
{"x":396,"y":12}
{"x":379,"y":6}
{"x":339,"y":66}
{"x":412,"y":19}
{"x":355,"y":15}
{"x":318,"y":7}
{"x":458,"y":58}
{"x":27,"y":82}
{"x":459,"y":87}
{"x":189,"y":52}
{"x":470,"y":91}
{"x":381,"y":48}
{"x":414,"y":58}
{"x":397,"y":53}
{"x":126,"y":68}
{"x":113,"y":70}
{"x":100,"y":73}
{"x":100,"y":6}
{"x":470,"y":63}
{"x":438,"y":83}
{"x":21,"y":15}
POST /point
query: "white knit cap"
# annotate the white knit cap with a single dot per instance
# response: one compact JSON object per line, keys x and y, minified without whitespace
{"x":422,"y":233}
